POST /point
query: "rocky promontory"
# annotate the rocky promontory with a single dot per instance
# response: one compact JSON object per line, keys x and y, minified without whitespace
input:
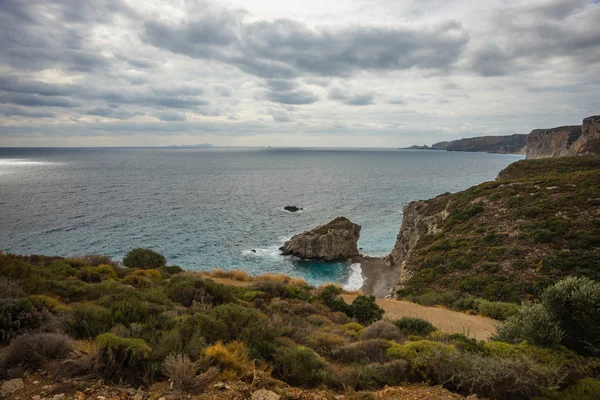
{"x":335,"y":241}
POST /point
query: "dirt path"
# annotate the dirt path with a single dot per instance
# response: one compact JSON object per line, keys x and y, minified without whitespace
{"x":473,"y":326}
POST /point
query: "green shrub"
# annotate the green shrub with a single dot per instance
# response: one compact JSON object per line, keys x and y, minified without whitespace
{"x":365,"y":310}
{"x":209,"y":327}
{"x":413,"y":351}
{"x":89,"y":320}
{"x":330,"y":297}
{"x":17,"y":316}
{"x":299,"y":366}
{"x":236,"y":318}
{"x":533,"y":324}
{"x":415,"y":326}
{"x":466,"y":302}
{"x":33,"y":350}
{"x":372,"y":350}
{"x":169,"y":343}
{"x":433,"y":299}
{"x":382,"y":330}
{"x":352,"y":329}
{"x":574,"y":303}
{"x":375,"y":376}
{"x":124,"y":360}
{"x":585,"y":389}
{"x":497,"y":309}
{"x":144,"y":259}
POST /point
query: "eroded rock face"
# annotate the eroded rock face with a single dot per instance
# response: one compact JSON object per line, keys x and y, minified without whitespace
{"x":420,"y":218}
{"x":589,"y":141}
{"x":565,"y":141}
{"x":335,"y":241}
{"x":555,"y":142}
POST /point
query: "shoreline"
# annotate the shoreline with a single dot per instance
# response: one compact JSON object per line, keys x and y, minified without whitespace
{"x":378,"y":276}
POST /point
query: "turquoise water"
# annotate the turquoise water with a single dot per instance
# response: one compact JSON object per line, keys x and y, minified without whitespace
{"x":208,"y":208}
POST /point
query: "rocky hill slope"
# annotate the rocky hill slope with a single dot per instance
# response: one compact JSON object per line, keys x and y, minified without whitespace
{"x":504,"y":240}
{"x":513,"y":144}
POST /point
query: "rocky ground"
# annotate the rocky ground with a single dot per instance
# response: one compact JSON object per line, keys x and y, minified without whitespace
{"x":40,"y":386}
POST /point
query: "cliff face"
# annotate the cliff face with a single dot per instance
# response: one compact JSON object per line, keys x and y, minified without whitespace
{"x":566,"y":140}
{"x":555,"y":142}
{"x":513,"y":144}
{"x":420,"y":218}
{"x":504,"y":240}
{"x":337,"y":240}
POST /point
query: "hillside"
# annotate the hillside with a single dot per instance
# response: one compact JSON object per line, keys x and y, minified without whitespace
{"x":512,"y":144}
{"x":507,"y":239}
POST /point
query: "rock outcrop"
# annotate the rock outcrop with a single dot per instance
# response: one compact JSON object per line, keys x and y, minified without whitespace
{"x":420,"y":218}
{"x":512,"y":144}
{"x":338,"y":240}
{"x":566,"y":140}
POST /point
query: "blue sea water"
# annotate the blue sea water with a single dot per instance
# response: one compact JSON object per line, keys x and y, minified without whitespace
{"x":209,"y":208}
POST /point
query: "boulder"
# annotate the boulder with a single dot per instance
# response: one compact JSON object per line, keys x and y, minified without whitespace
{"x":292,"y":208}
{"x":263,"y":394}
{"x":12,"y":386}
{"x":334,"y":241}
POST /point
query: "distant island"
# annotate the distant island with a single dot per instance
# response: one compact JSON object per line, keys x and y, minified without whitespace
{"x":201,"y":145}
{"x":417,"y":147}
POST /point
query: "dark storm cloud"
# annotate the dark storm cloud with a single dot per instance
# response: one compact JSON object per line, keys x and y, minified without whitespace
{"x":364,"y":99}
{"x":111,"y":113}
{"x":524,"y":36}
{"x":20,"y":112}
{"x":34,"y":100}
{"x":170,"y":116}
{"x":284,"y":48}
{"x":295,"y":97}
{"x":15,"y":85}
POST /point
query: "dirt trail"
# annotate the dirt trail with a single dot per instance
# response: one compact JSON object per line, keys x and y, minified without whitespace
{"x":473,"y":326}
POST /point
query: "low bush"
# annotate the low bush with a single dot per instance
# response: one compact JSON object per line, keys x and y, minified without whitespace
{"x":144,"y":259}
{"x":324,"y":343}
{"x":365,"y":310}
{"x":382,"y":330}
{"x":378,"y":375}
{"x":89,"y":320}
{"x":533,"y":324}
{"x":352,"y":329}
{"x":124,"y":360}
{"x":372,"y":350}
{"x":299,"y":366}
{"x":17,"y":316}
{"x":574,"y":303}
{"x":415,"y":326}
{"x":497,"y":309}
{"x":232,"y":356}
{"x":32,"y":351}
{"x":181,"y":371}
{"x":493,"y":377}
{"x":466,"y":302}
{"x":414,"y":352}
{"x":587,"y":388}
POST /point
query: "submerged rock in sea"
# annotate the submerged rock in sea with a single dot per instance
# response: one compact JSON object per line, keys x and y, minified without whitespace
{"x":332,"y":242}
{"x":292,"y":208}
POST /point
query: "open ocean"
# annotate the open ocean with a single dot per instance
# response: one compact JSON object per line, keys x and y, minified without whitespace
{"x":209,"y":208}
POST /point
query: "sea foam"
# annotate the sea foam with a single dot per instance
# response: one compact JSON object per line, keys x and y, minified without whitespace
{"x":355,"y":280}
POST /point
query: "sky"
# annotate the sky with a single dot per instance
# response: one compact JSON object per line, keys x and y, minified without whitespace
{"x":335,"y":73}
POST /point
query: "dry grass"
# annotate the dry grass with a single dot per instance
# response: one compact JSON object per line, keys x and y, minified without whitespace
{"x":182,"y":373}
{"x":281,"y":278}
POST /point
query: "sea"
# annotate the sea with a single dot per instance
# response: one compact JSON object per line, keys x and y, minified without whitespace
{"x":207,"y":208}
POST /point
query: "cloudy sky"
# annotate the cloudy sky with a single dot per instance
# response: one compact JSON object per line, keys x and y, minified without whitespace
{"x":365,"y":73}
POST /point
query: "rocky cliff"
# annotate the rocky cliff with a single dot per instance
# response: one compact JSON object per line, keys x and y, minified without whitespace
{"x":420,"y":218}
{"x":566,"y":140}
{"x":512,"y":144}
{"x":337,"y":240}
{"x":504,"y":240}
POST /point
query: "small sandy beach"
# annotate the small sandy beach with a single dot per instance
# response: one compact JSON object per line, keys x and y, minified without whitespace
{"x":378,"y":276}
